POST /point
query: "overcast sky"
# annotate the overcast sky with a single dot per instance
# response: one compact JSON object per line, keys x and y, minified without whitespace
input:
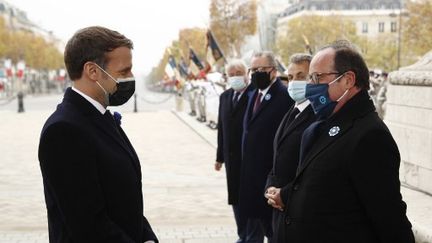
{"x":151,"y":24}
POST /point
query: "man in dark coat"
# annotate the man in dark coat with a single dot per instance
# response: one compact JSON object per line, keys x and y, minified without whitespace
{"x":266,"y":107}
{"x":91,"y":173}
{"x":286,"y":143}
{"x":347,"y":186}
{"x":232,"y":107}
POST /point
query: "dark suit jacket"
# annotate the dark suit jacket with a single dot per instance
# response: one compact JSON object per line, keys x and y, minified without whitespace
{"x":91,"y":176}
{"x":258,"y":135}
{"x":285,"y":160}
{"x":230,"y":130}
{"x":347,"y":188}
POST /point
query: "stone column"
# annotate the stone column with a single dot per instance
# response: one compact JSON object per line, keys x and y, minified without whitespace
{"x":409,"y":118}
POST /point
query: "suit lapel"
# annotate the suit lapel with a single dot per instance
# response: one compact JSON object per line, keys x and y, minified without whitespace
{"x":98,"y":120}
{"x":337,"y":126}
{"x":281,"y":128}
{"x":325,"y":139}
{"x":102,"y":124}
{"x":302,"y":117}
{"x":267,"y":99}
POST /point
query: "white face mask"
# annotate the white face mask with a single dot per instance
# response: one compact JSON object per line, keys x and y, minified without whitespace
{"x":237,"y":82}
{"x":297,"y":90}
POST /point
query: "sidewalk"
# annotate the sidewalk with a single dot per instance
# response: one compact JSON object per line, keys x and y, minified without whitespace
{"x":184,"y":198}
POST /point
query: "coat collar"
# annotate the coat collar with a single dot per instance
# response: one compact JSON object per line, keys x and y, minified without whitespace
{"x":267,"y":99}
{"x":302,"y":117}
{"x":99,"y":121}
{"x":243,"y":97}
{"x":338,"y":124}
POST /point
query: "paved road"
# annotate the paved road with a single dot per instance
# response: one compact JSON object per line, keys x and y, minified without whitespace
{"x":185,"y":199}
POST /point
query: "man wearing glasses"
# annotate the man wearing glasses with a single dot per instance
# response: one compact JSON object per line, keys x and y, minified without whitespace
{"x":347,"y":185}
{"x":267,"y":104}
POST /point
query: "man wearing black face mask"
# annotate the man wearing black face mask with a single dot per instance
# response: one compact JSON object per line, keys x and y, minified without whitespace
{"x":267,"y":104}
{"x":91,"y":173}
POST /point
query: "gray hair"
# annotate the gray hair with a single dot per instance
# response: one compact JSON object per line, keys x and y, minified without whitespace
{"x":237,"y":64}
{"x":299,"y":58}
{"x":267,"y":54}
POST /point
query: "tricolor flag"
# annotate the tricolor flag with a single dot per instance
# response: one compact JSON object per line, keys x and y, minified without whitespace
{"x":214,"y":53}
{"x":195,"y":65}
{"x":170,"y":68}
{"x":182,"y":67}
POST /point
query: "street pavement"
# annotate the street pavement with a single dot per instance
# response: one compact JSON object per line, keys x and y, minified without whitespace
{"x":184,"y":198}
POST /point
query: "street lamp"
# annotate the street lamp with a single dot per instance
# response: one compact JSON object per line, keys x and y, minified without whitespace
{"x":405,"y":14}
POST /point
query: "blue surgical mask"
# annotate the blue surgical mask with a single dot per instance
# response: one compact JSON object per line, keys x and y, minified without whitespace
{"x":320,"y":100}
{"x":297,"y":90}
{"x":237,"y":82}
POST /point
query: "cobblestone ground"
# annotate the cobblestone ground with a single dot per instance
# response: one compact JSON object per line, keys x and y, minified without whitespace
{"x":185,"y":199}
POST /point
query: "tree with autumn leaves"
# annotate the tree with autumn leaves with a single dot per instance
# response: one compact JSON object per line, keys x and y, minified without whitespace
{"x":231,"y":21}
{"x":34,"y":50}
{"x":379,"y":52}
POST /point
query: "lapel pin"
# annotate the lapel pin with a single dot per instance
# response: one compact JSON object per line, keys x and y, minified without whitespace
{"x":334,"y":131}
{"x":267,"y":97}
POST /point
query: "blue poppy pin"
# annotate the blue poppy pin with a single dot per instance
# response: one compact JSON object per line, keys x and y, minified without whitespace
{"x":334,"y":131}
{"x":267,"y":97}
{"x":117,"y":118}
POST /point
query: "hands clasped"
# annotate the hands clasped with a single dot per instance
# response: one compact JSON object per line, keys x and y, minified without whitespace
{"x":274,"y":198}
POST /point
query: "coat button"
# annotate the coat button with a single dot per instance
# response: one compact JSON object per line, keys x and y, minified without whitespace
{"x":287,"y":220}
{"x":296,"y":187}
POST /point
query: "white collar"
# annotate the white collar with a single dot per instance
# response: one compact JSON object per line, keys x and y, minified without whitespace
{"x":95,"y":103}
{"x":301,"y":106}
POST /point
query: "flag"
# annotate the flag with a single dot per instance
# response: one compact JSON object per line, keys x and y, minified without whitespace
{"x":214,"y":53}
{"x":307,"y":44}
{"x":170,"y":66}
{"x":280,"y":67}
{"x":182,"y":67}
{"x":195,"y":64}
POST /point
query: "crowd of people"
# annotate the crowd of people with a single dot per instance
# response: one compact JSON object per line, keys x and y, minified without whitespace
{"x":306,"y":162}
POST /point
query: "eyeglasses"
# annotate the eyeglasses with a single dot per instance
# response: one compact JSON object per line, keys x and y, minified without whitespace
{"x":315,"y":77}
{"x":259,"y":69}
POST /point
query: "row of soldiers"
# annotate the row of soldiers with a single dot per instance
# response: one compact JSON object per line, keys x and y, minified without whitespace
{"x":312,"y":161}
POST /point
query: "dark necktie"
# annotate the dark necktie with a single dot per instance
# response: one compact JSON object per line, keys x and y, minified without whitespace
{"x":257,"y":102}
{"x":235,"y":100}
{"x":309,"y":137}
{"x":293,"y":115}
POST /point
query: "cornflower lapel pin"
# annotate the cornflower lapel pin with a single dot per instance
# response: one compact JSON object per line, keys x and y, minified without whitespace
{"x":117,"y":118}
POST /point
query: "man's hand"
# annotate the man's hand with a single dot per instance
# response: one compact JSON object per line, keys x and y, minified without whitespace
{"x":274,"y":198}
{"x":218,"y":166}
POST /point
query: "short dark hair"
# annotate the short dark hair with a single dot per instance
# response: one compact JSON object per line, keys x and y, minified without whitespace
{"x":91,"y":44}
{"x":299,"y":58}
{"x":348,"y":58}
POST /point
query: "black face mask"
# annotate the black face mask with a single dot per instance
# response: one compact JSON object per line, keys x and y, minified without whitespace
{"x":261,"y":80}
{"x":125,"y":90}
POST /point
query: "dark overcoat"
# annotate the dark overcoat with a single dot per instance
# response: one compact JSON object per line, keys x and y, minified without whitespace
{"x":347,"y":188}
{"x":91,"y":176}
{"x":259,"y":131}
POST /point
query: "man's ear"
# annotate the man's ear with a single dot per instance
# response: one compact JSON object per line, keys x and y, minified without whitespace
{"x":350,"y":79}
{"x":90,"y":71}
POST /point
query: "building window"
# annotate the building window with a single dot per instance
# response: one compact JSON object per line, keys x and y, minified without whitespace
{"x":365,"y":28}
{"x":393,"y":27}
{"x":381,"y":27}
